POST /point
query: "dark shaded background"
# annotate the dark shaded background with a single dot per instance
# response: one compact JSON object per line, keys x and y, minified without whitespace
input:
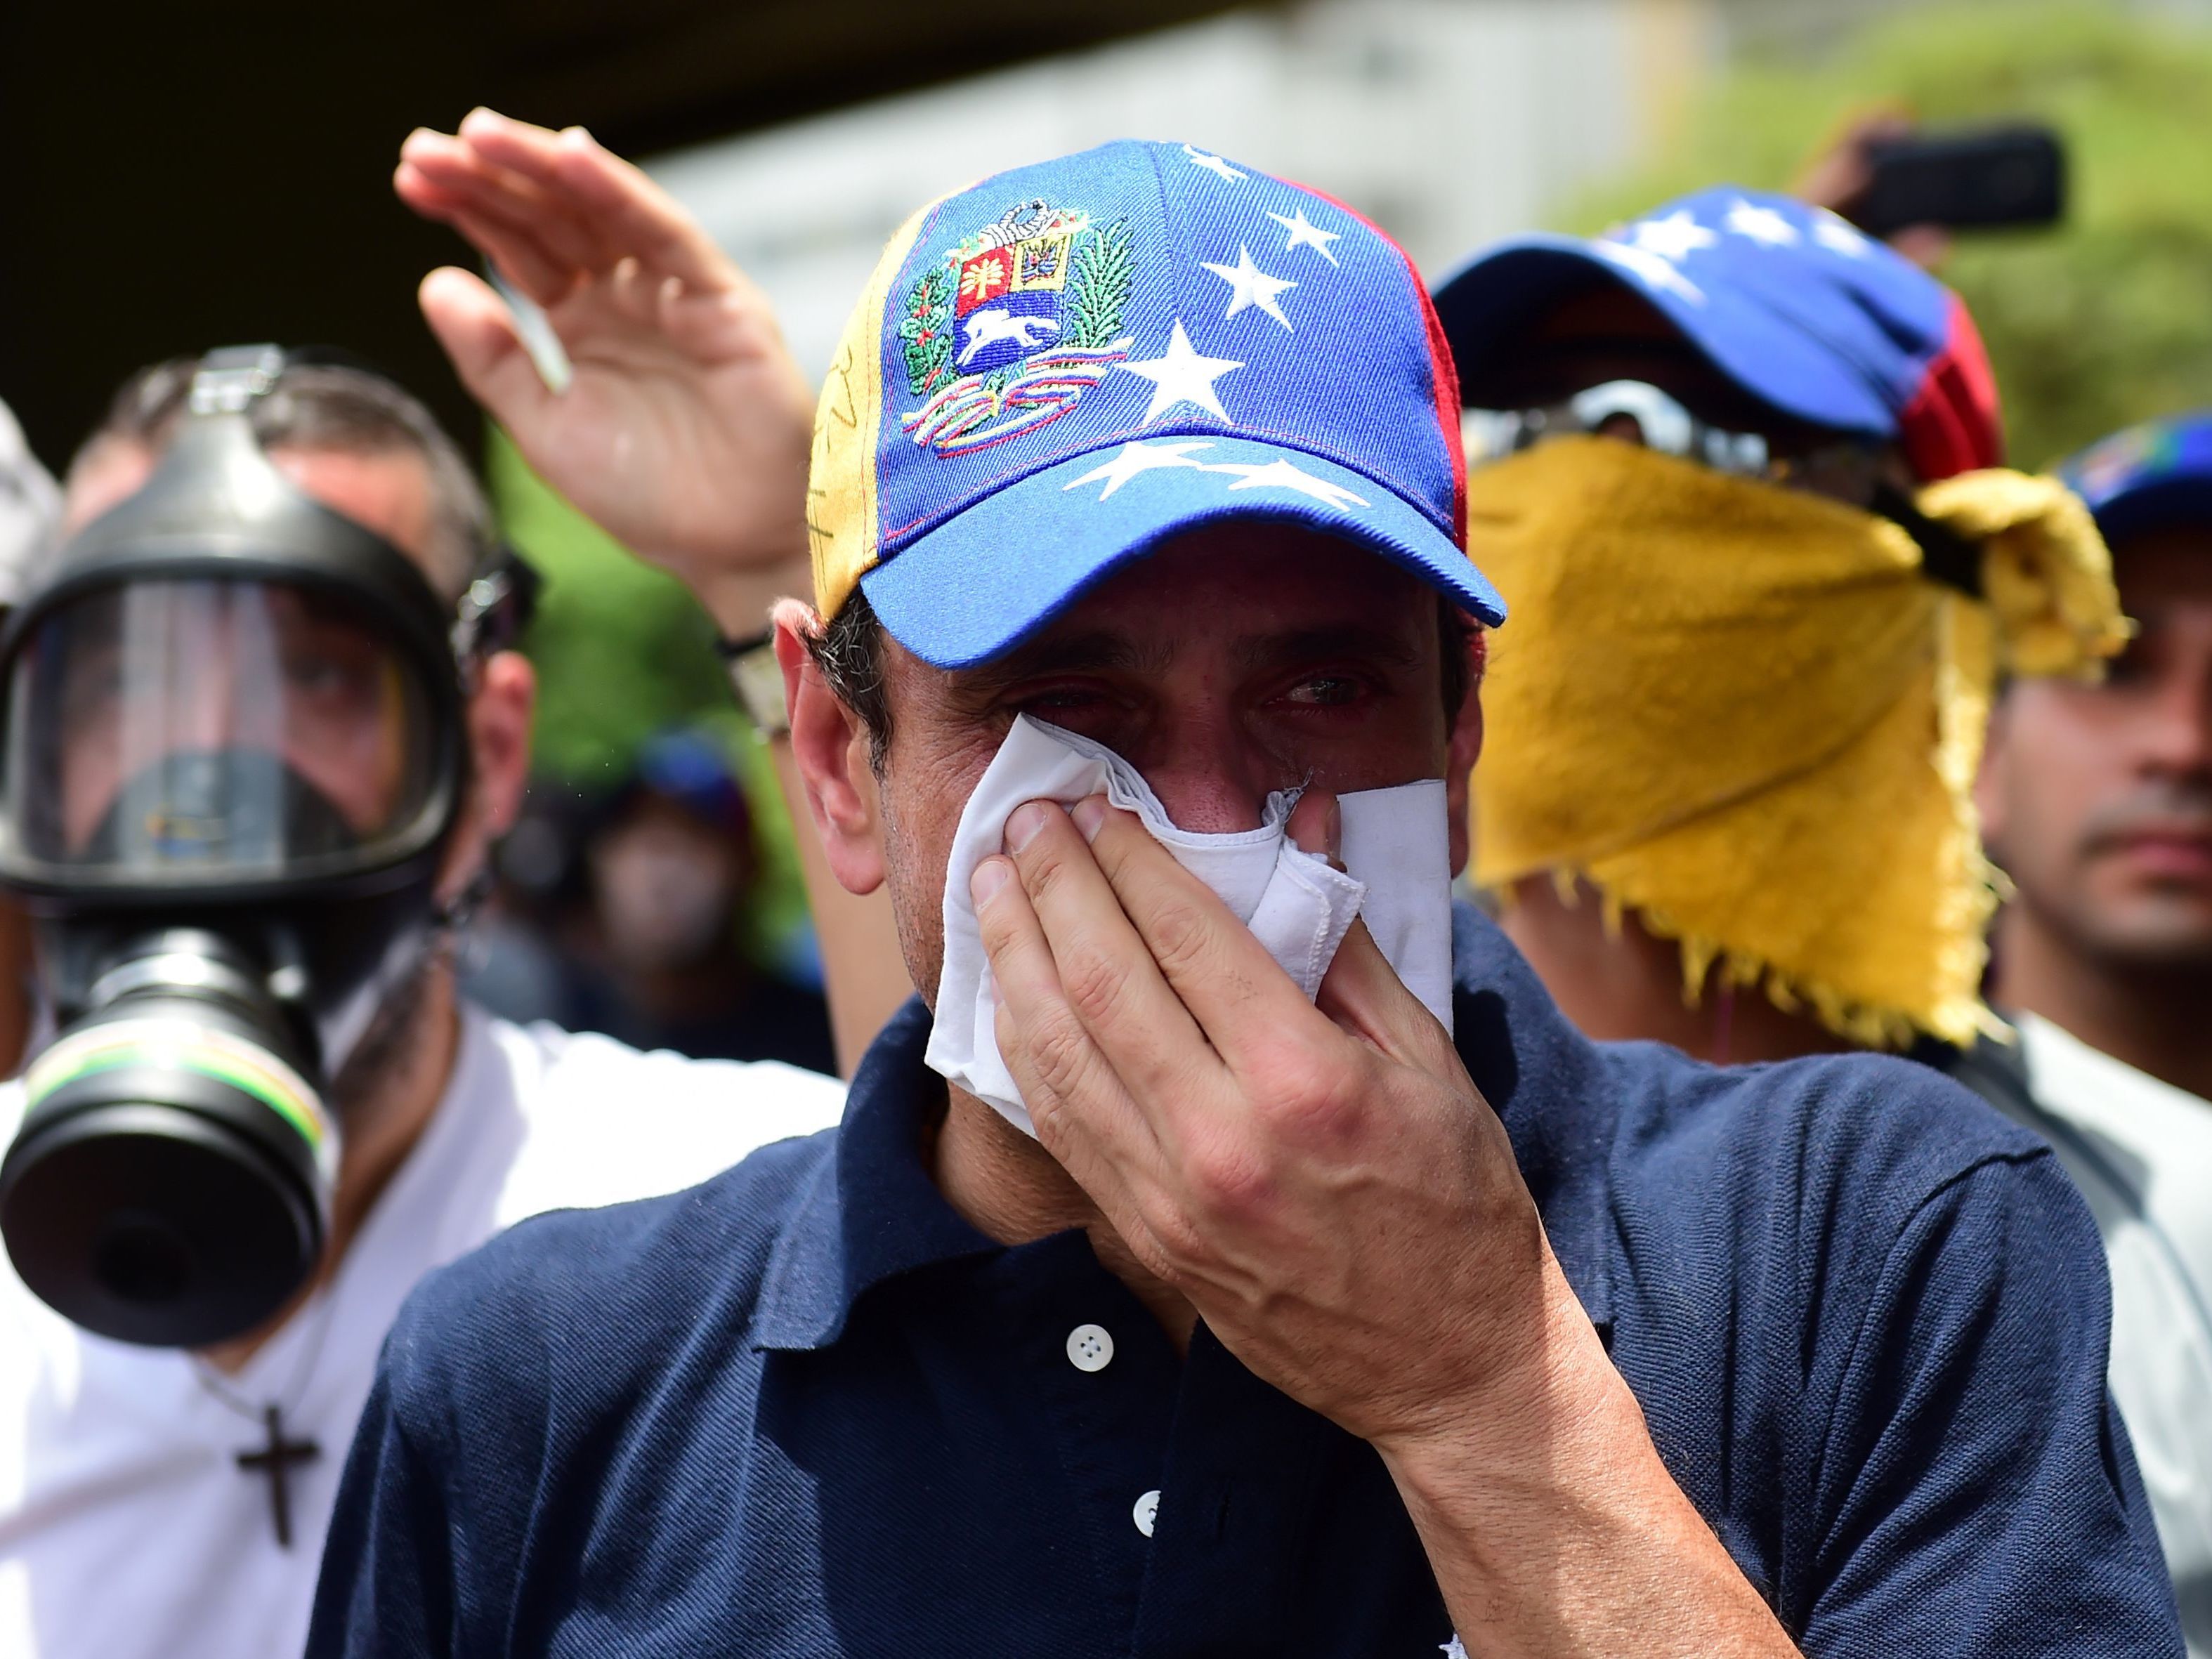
{"x":205,"y":171}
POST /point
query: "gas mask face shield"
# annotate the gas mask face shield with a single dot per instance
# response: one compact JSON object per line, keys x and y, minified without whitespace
{"x":210,"y":731}
{"x":236,"y":753}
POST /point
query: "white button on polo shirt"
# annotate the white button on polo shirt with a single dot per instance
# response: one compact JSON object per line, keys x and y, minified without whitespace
{"x":1089,"y":1348}
{"x":1146,"y":1511}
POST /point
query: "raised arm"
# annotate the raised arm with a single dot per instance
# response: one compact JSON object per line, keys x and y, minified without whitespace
{"x":684,"y":431}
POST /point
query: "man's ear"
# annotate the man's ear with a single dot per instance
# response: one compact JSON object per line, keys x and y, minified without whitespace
{"x":1464,"y":746}
{"x":498,"y":721}
{"x":830,"y":747}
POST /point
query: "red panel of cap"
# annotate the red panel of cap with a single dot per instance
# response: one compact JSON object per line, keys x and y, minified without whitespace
{"x":1953,"y":423}
{"x":1444,"y":367}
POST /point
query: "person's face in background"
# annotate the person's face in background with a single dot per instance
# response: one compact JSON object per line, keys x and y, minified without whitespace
{"x":667,"y":886}
{"x":2097,"y":799}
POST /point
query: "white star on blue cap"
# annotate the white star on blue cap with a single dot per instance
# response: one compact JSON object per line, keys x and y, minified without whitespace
{"x":1305,"y":233}
{"x":1675,"y":237}
{"x":1182,"y":374}
{"x":1211,"y":163}
{"x":1833,"y":233}
{"x":1251,"y":288}
{"x":1761,"y":224}
{"x":1135,"y":458}
{"x":1652,"y":270}
{"x":1283,"y":475}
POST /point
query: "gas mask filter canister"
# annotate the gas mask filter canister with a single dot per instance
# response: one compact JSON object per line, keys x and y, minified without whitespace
{"x":173,"y":1181}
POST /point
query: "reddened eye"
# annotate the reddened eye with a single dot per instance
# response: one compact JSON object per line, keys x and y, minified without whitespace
{"x":1325,"y":691}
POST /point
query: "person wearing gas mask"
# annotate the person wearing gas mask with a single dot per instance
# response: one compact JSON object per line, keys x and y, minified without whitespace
{"x":263,"y":727}
{"x":1233,"y":1251}
{"x":2097,"y":802}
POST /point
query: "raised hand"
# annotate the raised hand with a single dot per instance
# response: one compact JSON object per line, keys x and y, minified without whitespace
{"x":684,"y":430}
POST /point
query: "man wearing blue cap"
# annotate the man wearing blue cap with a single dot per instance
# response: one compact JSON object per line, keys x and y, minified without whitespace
{"x":2097,"y":802}
{"x":1190,"y":1273}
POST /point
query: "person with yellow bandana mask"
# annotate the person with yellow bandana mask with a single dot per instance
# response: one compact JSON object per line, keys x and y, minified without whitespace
{"x":1734,"y":466}
{"x":1737,"y":475}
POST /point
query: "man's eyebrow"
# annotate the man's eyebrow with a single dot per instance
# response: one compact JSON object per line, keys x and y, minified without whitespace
{"x":1076,"y":653}
{"x":1334,"y":640}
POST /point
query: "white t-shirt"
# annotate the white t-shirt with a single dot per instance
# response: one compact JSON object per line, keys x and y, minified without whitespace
{"x":2141,"y":1151}
{"x":126,"y":1527}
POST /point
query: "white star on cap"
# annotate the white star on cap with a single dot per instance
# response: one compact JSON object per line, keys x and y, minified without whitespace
{"x":1200,"y":158}
{"x":1136,"y":457}
{"x":1304,"y":234}
{"x":1675,"y":237}
{"x":1650,"y":269}
{"x":1282,"y":475}
{"x":1761,"y":224}
{"x":1249,"y":286}
{"x":1833,"y":233}
{"x":1182,"y":375}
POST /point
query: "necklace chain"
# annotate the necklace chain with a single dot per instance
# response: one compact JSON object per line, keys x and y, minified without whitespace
{"x":217,"y":1387}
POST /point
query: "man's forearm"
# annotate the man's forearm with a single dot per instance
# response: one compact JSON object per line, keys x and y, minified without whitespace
{"x":1555,"y":1530}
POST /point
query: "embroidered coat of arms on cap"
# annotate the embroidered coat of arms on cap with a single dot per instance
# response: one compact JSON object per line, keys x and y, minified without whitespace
{"x":1012,"y":326}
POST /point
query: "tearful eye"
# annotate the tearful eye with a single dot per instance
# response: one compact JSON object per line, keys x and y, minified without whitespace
{"x":1325,"y":691}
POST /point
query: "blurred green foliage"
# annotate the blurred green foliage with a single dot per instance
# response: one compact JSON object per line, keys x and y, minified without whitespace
{"x":623,"y":651}
{"x":2104,"y":320}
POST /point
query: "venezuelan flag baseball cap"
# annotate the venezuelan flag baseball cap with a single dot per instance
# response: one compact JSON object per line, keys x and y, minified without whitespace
{"x":2146,"y":477}
{"x":1794,"y":306}
{"x":1054,"y":370}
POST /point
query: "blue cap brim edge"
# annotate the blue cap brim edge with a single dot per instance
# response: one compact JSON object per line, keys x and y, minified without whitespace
{"x":1056,"y":534}
{"x":1495,"y":291}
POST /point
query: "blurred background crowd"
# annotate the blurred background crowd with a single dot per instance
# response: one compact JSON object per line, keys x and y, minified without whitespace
{"x":652,"y":890}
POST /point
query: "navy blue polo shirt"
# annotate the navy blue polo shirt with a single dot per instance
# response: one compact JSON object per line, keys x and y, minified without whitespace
{"x":806,"y":1409}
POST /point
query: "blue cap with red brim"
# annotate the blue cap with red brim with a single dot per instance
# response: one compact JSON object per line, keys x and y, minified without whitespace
{"x":1801,"y":311}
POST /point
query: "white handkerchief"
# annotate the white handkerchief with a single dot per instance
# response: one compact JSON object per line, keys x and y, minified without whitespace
{"x":1395,"y":847}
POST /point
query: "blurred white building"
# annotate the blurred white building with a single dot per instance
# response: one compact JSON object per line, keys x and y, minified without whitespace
{"x":1449,"y":122}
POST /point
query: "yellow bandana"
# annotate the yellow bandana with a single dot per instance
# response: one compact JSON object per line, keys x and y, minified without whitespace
{"x":1746,"y":713}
